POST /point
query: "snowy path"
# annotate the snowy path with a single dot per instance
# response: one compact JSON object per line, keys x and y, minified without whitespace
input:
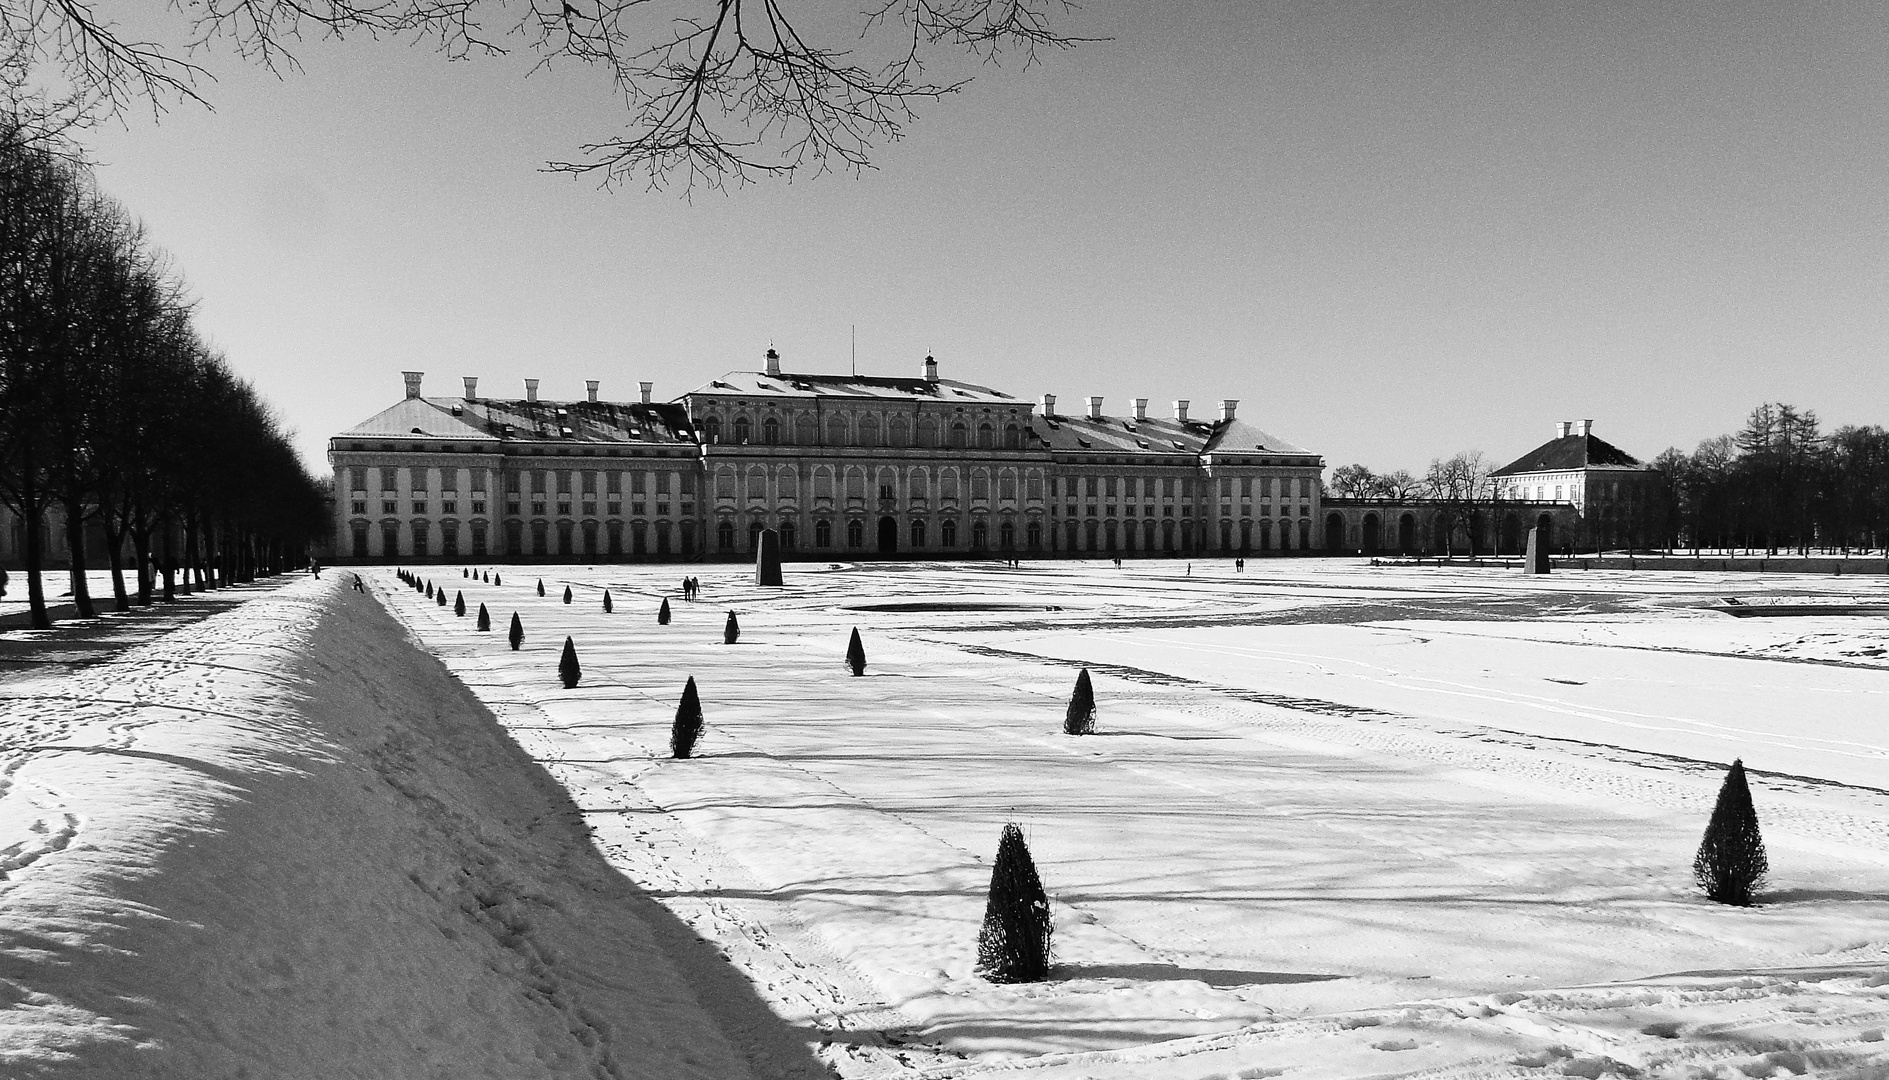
{"x":1239,"y":857}
{"x":285,"y":843}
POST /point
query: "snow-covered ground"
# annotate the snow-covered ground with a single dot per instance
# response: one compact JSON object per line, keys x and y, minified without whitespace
{"x":1341,"y":821}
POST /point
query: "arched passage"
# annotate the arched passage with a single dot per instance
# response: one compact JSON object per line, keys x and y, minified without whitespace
{"x":1370,"y":537}
{"x":1545,"y":523}
{"x":888,"y":535}
{"x":1407,"y":534}
{"x":1334,"y":531}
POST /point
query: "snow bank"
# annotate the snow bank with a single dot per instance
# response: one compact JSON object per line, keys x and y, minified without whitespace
{"x":285,"y":843}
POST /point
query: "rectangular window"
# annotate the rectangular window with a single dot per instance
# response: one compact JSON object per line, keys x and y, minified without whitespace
{"x":590,"y":482}
{"x":885,"y":491}
{"x":359,"y":473}
{"x":613,"y":482}
{"x":590,"y":508}
{"x":1034,"y":486}
{"x":638,"y":480}
{"x":564,"y":481}
{"x":448,"y":506}
{"x":537,"y":507}
{"x":512,"y":482}
{"x":419,"y":477}
{"x":478,"y":506}
{"x":389,"y":506}
{"x":1226,"y":487}
{"x":448,"y":482}
{"x":359,"y":506}
{"x":636,"y":508}
{"x":615,"y":506}
{"x":662,"y":483}
{"x":419,"y":505}
{"x":1557,"y":493}
{"x":1108,"y":485}
{"x":564,"y":507}
{"x":1246,"y":487}
{"x":1089,"y":486}
{"x":478,"y":481}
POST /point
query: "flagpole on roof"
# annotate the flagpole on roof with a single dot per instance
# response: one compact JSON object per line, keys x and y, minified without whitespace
{"x":855,"y":350}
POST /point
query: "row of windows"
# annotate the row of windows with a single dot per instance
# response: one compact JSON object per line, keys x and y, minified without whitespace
{"x":603,"y":539}
{"x":563,"y":481}
{"x":805,"y":430}
{"x":514,"y":507}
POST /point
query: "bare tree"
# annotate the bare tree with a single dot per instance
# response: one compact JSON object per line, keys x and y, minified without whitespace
{"x":1461,"y":483}
{"x":1354,"y":482}
{"x":715,"y":90}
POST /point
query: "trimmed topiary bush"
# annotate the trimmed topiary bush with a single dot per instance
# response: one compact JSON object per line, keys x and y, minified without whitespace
{"x":459,"y":604}
{"x":1080,"y":719}
{"x":567,"y":665}
{"x":517,"y":634}
{"x":485,"y":618}
{"x":429,"y":590}
{"x":688,"y":725}
{"x":606,"y":602}
{"x":1014,"y":944}
{"x":540,"y":586}
{"x":731,"y":630}
{"x":1731,"y":863}
{"x":440,"y":597}
{"x":567,"y":594}
{"x":856,"y":654}
{"x":662,"y":613}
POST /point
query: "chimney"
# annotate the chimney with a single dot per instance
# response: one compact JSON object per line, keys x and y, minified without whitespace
{"x":472,"y":387}
{"x":413,"y":382}
{"x":1180,"y":410}
{"x":931,"y":369}
{"x":1095,"y":408}
{"x":590,"y":387}
{"x":1049,"y":404}
{"x":1561,"y":429}
{"x":1141,"y":408}
{"x":773,"y":362}
{"x":1227,"y":405}
{"x":531,"y":389}
{"x":1586,"y":429}
{"x":647,"y":387}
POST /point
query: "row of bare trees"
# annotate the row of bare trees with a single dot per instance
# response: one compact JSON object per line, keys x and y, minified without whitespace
{"x":1780,"y":484}
{"x":115,"y":414}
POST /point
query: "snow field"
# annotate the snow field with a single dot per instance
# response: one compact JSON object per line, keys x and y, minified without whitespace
{"x":1360,"y":848}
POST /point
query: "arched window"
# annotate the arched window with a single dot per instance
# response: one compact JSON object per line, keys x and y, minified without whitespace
{"x":855,"y":533}
{"x":1007,"y":536}
{"x":754,"y":534}
{"x":948,"y":485}
{"x":725,"y":535}
{"x":980,"y":535}
{"x":711,"y":429}
{"x":918,"y":532}
{"x":836,"y":431}
{"x":980,"y":485}
{"x":1033,"y":535}
{"x":918,"y":483}
{"x":927,"y":431}
{"x":855,"y":483}
{"x":1069,"y":535}
{"x":868,"y":430}
{"x":743,"y":430}
{"x":787,"y":534}
{"x":895,"y":432}
{"x":823,"y":483}
{"x":948,"y":533}
{"x":1013,"y":437}
{"x":1305,"y":533}
{"x":725,"y":483}
{"x":788,"y":483}
{"x":757,"y":483}
{"x":986,"y":436}
{"x":957,"y":433}
{"x":1007,"y":484}
{"x":823,"y":533}
{"x":771,"y":431}
{"x":807,"y":430}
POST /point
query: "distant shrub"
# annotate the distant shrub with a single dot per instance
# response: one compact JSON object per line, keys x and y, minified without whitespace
{"x":517,"y":634}
{"x":731,"y":630}
{"x":429,"y":590}
{"x":540,"y":586}
{"x":1014,"y":944}
{"x":688,"y":725}
{"x":662,"y":613}
{"x":485,"y":618}
{"x":459,"y":603}
{"x":567,"y":665}
{"x":440,"y":597}
{"x":1731,"y":863}
{"x":567,"y":594}
{"x":1080,"y":719}
{"x":606,"y":602}
{"x":856,"y":654}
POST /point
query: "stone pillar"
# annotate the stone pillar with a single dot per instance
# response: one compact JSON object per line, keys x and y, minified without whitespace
{"x":1537,"y":562}
{"x":767,"y":558}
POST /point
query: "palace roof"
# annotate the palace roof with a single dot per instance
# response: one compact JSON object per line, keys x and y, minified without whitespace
{"x":799,"y":385}
{"x":490,"y":420}
{"x":1570,"y":453}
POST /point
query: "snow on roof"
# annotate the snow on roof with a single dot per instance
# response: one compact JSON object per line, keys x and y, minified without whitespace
{"x":486,"y":420}
{"x":801,"y":385}
{"x":1125,"y":434}
{"x":1572,"y":452}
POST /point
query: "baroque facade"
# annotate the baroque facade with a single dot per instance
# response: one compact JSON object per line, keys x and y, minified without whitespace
{"x":839,"y":465}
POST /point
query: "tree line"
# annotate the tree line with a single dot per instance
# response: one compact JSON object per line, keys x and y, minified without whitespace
{"x":115,"y":413}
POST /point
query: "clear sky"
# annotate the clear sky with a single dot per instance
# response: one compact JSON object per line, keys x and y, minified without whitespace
{"x":1394,"y":230}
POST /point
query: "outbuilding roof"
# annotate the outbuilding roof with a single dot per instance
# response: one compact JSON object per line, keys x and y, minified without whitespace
{"x":1571,"y":452}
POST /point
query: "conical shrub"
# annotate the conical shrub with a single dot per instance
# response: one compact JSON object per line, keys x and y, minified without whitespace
{"x":606,"y":602}
{"x":464,"y":573}
{"x":440,"y":598}
{"x":1014,"y":944}
{"x":856,"y":654}
{"x":688,"y":725}
{"x":540,"y":586}
{"x":485,"y":618}
{"x":1731,"y":863}
{"x":459,"y":604}
{"x":517,"y":634}
{"x":567,"y":665}
{"x":1080,"y":719}
{"x":429,"y":590}
{"x":662,"y":613}
{"x":731,"y":630}
{"x":567,"y":594}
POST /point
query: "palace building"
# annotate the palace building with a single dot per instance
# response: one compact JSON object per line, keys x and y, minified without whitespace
{"x":839,"y":465}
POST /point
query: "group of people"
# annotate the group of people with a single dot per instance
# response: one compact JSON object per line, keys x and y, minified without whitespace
{"x":690,"y":586}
